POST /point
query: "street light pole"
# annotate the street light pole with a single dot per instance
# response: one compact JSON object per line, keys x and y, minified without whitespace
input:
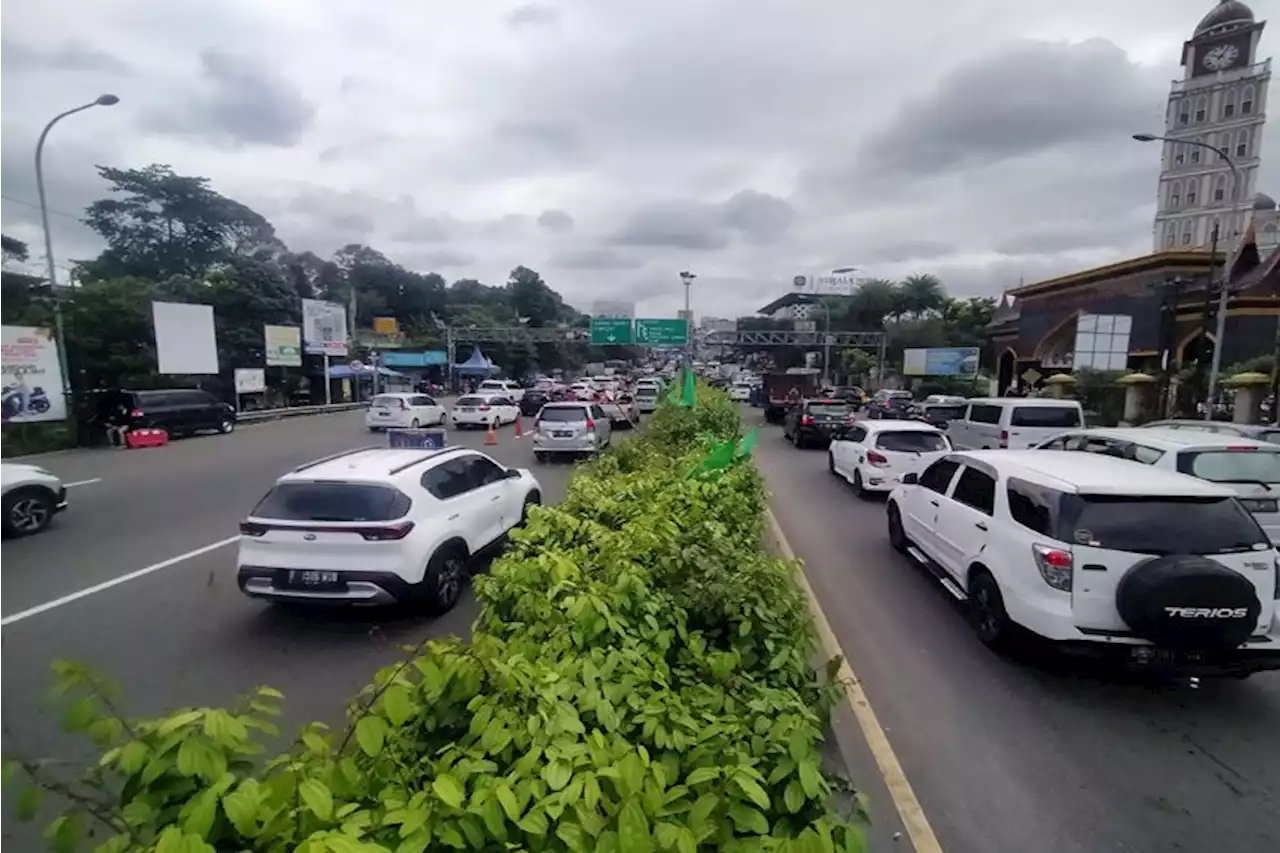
{"x":687,"y":278}
{"x":1220,"y":331}
{"x":59,"y":325}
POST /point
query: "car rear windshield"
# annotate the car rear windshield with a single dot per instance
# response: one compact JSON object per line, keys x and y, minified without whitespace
{"x":387,"y":402}
{"x":321,"y":501}
{"x":911,"y":441}
{"x":833,"y":409}
{"x":1232,"y":466}
{"x":494,"y":386}
{"x":1271,"y":436}
{"x":1161,"y":525}
{"x":563,"y":414}
{"x":954,"y":413}
{"x":1058,"y":417}
{"x":473,"y":401}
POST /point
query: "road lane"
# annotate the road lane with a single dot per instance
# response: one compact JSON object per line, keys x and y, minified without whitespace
{"x":185,"y":635}
{"x":1017,"y":757}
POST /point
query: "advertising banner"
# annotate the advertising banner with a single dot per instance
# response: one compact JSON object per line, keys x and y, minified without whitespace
{"x":385,"y":327}
{"x":32,"y":376}
{"x":940,"y":361}
{"x":251,"y":380}
{"x":283,"y":346}
{"x":324,"y":328}
{"x":186,"y":343}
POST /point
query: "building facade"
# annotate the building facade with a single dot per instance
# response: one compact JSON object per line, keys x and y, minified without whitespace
{"x":1220,"y":102}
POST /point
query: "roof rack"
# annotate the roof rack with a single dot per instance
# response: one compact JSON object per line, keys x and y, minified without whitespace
{"x":430,"y":454}
{"x":334,"y":456}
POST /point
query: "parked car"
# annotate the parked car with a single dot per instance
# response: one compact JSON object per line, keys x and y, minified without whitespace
{"x":380,"y":526}
{"x":873,"y":455}
{"x":404,"y":410}
{"x":574,"y":429}
{"x":178,"y":411}
{"x":31,"y":498}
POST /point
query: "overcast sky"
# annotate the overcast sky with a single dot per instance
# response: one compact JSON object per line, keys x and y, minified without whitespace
{"x":610,"y":144}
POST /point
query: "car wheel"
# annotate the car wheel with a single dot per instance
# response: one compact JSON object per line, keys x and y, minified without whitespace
{"x":497,"y":423}
{"x":443,"y":418}
{"x":413,"y":424}
{"x":443,"y":580}
{"x":897,"y":536}
{"x":27,"y":511}
{"x":531,"y":499}
{"x":986,"y":611}
{"x":541,"y":457}
{"x":227,"y":427}
{"x":857,"y":484}
{"x":831,"y":464}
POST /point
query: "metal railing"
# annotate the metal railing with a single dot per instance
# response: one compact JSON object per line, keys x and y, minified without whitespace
{"x":294,"y":411}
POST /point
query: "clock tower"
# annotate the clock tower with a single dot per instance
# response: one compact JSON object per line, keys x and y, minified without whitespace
{"x":1221,"y":101}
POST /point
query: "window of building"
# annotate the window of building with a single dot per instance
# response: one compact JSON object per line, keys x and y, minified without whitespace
{"x":1246,"y":101}
{"x":1228,"y":103}
{"x":1179,"y":155}
{"x":1215,"y":224}
{"x":1188,"y":233}
{"x":1184,"y":112}
{"x":1242,"y":144}
{"x":1191,"y":193}
{"x":1220,"y":188}
{"x":1175,"y":194}
{"x":1195,"y":155}
{"x":1202,"y":109}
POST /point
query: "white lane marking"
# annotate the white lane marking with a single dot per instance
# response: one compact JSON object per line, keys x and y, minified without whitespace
{"x":72,"y":485}
{"x":105,"y":585}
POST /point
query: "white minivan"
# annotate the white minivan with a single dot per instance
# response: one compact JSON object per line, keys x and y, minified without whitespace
{"x":1013,"y":423}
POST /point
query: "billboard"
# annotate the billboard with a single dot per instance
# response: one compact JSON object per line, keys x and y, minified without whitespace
{"x":283,"y":346}
{"x":32,"y":376}
{"x":251,"y":380}
{"x":940,"y":361}
{"x":186,"y":343}
{"x":324,"y":328}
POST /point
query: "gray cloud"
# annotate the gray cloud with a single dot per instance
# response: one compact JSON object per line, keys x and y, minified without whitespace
{"x":754,"y":216}
{"x":759,"y":216}
{"x":66,"y":56}
{"x":595,"y":258}
{"x":240,"y":101}
{"x":908,"y":250}
{"x":533,"y":15}
{"x":555,"y":220}
{"x":438,"y":259}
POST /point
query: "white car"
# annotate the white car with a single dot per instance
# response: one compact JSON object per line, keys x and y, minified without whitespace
{"x":381,"y":526}
{"x":404,"y":410}
{"x":1249,"y":468}
{"x":873,"y":455}
{"x":483,"y":410}
{"x":740,"y":392}
{"x":1098,"y":556}
{"x":502,"y":387}
{"x":32,"y":497}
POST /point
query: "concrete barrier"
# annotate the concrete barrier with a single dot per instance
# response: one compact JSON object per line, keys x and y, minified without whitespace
{"x":295,"y":411}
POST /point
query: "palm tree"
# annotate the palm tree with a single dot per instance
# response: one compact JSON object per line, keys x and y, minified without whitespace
{"x":922,"y":293}
{"x":873,"y":301}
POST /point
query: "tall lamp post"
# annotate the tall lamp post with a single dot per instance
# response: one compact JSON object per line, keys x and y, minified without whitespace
{"x":1216,"y":363}
{"x":687,"y":278}
{"x":58,"y":324}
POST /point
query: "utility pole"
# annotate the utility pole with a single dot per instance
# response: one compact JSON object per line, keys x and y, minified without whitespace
{"x":687,"y":278}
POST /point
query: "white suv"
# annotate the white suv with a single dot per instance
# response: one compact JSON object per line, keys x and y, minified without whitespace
{"x":1097,"y":555}
{"x":32,"y":496}
{"x":380,"y":526}
{"x":501,"y":388}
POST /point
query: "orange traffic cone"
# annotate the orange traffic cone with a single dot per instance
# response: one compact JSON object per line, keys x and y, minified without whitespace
{"x":491,"y":438}
{"x":519,"y":427}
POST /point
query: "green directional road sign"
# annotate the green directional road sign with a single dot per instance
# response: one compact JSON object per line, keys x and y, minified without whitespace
{"x":668,"y":332}
{"x":610,"y":331}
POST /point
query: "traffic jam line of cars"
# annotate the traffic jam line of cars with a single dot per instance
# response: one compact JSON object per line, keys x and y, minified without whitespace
{"x":1152,"y":547}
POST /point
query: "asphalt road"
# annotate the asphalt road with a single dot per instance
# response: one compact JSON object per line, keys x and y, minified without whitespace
{"x":1012,"y":757}
{"x":184,"y":635}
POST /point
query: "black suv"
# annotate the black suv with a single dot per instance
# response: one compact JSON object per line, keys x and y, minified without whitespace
{"x":814,"y":422}
{"x":178,"y":411}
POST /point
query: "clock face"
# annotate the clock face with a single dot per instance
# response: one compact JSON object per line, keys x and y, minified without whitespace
{"x":1221,"y":57}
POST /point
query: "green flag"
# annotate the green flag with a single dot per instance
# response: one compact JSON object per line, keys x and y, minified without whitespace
{"x":721,"y":456}
{"x":677,"y":387}
{"x":747,"y":444}
{"x":689,"y":396}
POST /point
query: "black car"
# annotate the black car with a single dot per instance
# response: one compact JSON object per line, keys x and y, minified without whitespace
{"x":533,"y":401}
{"x":940,"y":414}
{"x":178,"y":411}
{"x":891,"y":408}
{"x":813,"y":422}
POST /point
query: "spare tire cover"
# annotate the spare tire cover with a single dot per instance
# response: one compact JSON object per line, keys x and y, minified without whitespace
{"x":1188,"y":602}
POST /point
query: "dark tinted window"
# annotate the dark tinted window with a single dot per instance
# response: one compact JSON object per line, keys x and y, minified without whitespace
{"x":449,"y":479}
{"x":829,"y":409}
{"x":483,"y":471}
{"x":944,"y":412}
{"x":857,"y":435}
{"x":983,"y":413}
{"x":976,"y":489}
{"x":911,"y":442}
{"x":422,"y":400}
{"x":938,"y":475}
{"x":387,"y":401}
{"x":1059,"y":443}
{"x":1029,"y":505}
{"x":1150,"y":525}
{"x":1271,"y":436}
{"x":320,"y":501}
{"x":1059,"y":417}
{"x":563,"y":414}
{"x":472,"y":401}
{"x":1232,"y":466}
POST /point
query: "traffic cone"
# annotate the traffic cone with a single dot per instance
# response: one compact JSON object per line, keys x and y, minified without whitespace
{"x":519,"y":427}
{"x":491,"y":438}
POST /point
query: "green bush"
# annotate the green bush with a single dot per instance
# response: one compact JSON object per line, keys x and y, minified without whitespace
{"x":639,"y":679}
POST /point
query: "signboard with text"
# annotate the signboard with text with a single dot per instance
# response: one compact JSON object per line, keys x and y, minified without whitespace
{"x":324,"y":328}
{"x":32,"y":376}
{"x":940,"y":361}
{"x":283,"y":346}
{"x":662,"y":332}
{"x":610,"y":331}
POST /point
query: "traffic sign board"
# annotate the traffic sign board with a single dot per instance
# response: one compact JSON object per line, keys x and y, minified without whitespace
{"x":665,"y":332}
{"x":611,"y":331}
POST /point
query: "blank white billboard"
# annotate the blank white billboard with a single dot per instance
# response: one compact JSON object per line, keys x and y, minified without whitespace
{"x":185,"y":340}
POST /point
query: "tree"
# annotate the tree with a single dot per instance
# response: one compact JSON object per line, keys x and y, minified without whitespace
{"x":165,"y":224}
{"x":921,"y":294}
{"x":22,"y":296}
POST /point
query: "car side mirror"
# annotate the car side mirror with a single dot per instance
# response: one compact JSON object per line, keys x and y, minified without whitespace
{"x":511,"y":474}
{"x":911,"y":479}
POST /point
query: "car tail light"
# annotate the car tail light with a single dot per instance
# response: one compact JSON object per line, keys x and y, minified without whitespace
{"x":1240,"y":447}
{"x":252,"y":528}
{"x":879,"y":460}
{"x":806,"y":421}
{"x":388,"y":533}
{"x":1004,"y":438}
{"x":591,"y":424}
{"x":1055,"y":566}
{"x":136,"y":413}
{"x":484,"y":408}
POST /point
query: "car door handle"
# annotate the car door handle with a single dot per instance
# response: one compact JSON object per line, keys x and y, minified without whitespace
{"x":935,"y":503}
{"x":981,"y":525}
{"x":495,"y":498}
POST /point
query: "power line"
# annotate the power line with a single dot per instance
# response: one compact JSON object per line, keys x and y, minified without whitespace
{"x":37,"y":207}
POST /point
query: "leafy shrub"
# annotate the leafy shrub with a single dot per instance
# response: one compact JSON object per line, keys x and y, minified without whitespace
{"x":638,"y":679}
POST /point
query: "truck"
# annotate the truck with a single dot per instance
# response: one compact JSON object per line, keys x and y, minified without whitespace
{"x":777,"y":388}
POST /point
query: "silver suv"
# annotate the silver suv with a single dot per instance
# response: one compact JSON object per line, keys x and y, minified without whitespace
{"x":577,"y":428}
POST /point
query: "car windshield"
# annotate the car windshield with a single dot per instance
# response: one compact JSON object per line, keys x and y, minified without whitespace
{"x":1271,"y":436}
{"x":494,"y":385}
{"x":1161,"y":525}
{"x":1232,"y":466}
{"x":824,"y":410}
{"x":1057,"y":417}
{"x":321,"y":501}
{"x":473,"y":401}
{"x":563,"y":414}
{"x":912,"y":441}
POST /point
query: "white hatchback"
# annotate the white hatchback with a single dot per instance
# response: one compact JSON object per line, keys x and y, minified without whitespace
{"x":404,"y":411}
{"x":483,"y":410}
{"x":380,"y":526}
{"x":874,"y":455}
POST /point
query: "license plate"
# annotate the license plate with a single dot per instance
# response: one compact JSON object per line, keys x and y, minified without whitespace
{"x":307,"y":577}
{"x":466,"y":410}
{"x":1259,"y":504}
{"x":561,"y":434}
{"x":1149,"y":656}
{"x":383,"y":414}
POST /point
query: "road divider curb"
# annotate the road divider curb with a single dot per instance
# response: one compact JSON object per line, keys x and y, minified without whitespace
{"x":294,"y":412}
{"x":916,"y":824}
